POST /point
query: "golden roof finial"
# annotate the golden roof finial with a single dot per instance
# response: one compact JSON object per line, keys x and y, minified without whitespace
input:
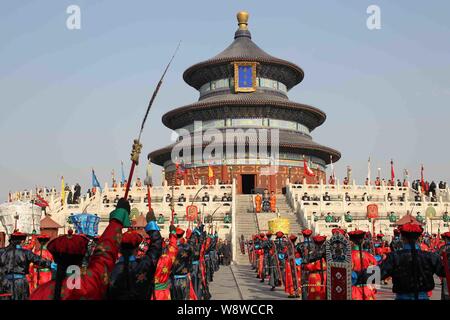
{"x":242,"y":18}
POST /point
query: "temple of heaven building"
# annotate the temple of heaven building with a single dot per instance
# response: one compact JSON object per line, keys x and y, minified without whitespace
{"x":266,"y":138}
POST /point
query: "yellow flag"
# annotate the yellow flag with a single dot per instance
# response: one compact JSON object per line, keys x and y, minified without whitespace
{"x":63,"y":191}
{"x":210,"y":172}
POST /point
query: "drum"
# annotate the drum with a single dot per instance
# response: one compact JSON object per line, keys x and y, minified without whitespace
{"x":85,"y":223}
{"x":279,"y":224}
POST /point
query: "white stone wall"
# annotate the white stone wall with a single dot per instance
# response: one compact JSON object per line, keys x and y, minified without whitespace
{"x":29,"y":217}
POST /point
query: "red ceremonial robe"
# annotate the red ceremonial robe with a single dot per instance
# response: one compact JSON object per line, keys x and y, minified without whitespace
{"x":260,"y":253}
{"x":94,"y":283}
{"x":289,"y":280}
{"x":317,"y":280}
{"x":45,"y":275}
{"x":192,"y":294}
{"x":163,"y":269}
{"x":367,"y":260}
{"x":30,"y":276}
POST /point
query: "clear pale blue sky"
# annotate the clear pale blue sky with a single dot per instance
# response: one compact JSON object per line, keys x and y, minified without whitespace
{"x":73,"y":100}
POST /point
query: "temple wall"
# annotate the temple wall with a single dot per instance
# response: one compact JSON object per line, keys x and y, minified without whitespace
{"x":274,"y":182}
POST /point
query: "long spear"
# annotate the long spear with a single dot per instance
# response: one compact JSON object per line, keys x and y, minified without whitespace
{"x":137,"y":146}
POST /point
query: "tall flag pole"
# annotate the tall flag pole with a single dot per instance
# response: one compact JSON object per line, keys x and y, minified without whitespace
{"x":422,"y":180}
{"x":63,"y":191}
{"x":392,"y":171}
{"x":95,"y":182}
{"x":368,"y":171}
{"x":149,"y":182}
{"x":224,"y":172}
{"x":333,"y":173}
{"x":123,"y":173}
{"x":113,"y":177}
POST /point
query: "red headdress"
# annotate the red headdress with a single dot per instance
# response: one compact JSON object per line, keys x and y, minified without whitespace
{"x":338,"y":230}
{"x":446,"y":235}
{"x":307,"y":232}
{"x":356,"y":236}
{"x":180,"y":232}
{"x":69,"y":244}
{"x":16,"y":235}
{"x":132,"y":239}
{"x":279,"y":234}
{"x":43,"y":238}
{"x":319,"y":239}
{"x":411,"y":230}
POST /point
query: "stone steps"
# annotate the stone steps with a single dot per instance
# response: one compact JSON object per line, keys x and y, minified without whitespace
{"x":284,"y":211}
{"x":246,"y":221}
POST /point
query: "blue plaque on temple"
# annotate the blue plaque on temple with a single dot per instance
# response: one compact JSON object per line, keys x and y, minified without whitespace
{"x":245,"y":76}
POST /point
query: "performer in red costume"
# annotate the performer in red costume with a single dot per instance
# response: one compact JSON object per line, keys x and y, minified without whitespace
{"x":304,"y":248}
{"x":423,"y":245}
{"x":30,"y":245}
{"x":361,"y":260}
{"x":69,"y":250}
{"x":292,"y":281}
{"x":41,"y":275}
{"x":317,"y":269}
{"x":252,"y":252}
{"x":260,"y":253}
{"x":165,"y":263}
{"x":192,"y":294}
{"x":205,"y":292}
{"x":445,"y":256}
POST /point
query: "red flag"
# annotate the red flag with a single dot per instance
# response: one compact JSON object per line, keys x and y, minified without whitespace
{"x":392,"y":171}
{"x":180,"y":168}
{"x":149,"y":198}
{"x":185,"y":176}
{"x":306,"y":169}
{"x":224,"y":173}
{"x":422,"y":181}
{"x":41,"y":203}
